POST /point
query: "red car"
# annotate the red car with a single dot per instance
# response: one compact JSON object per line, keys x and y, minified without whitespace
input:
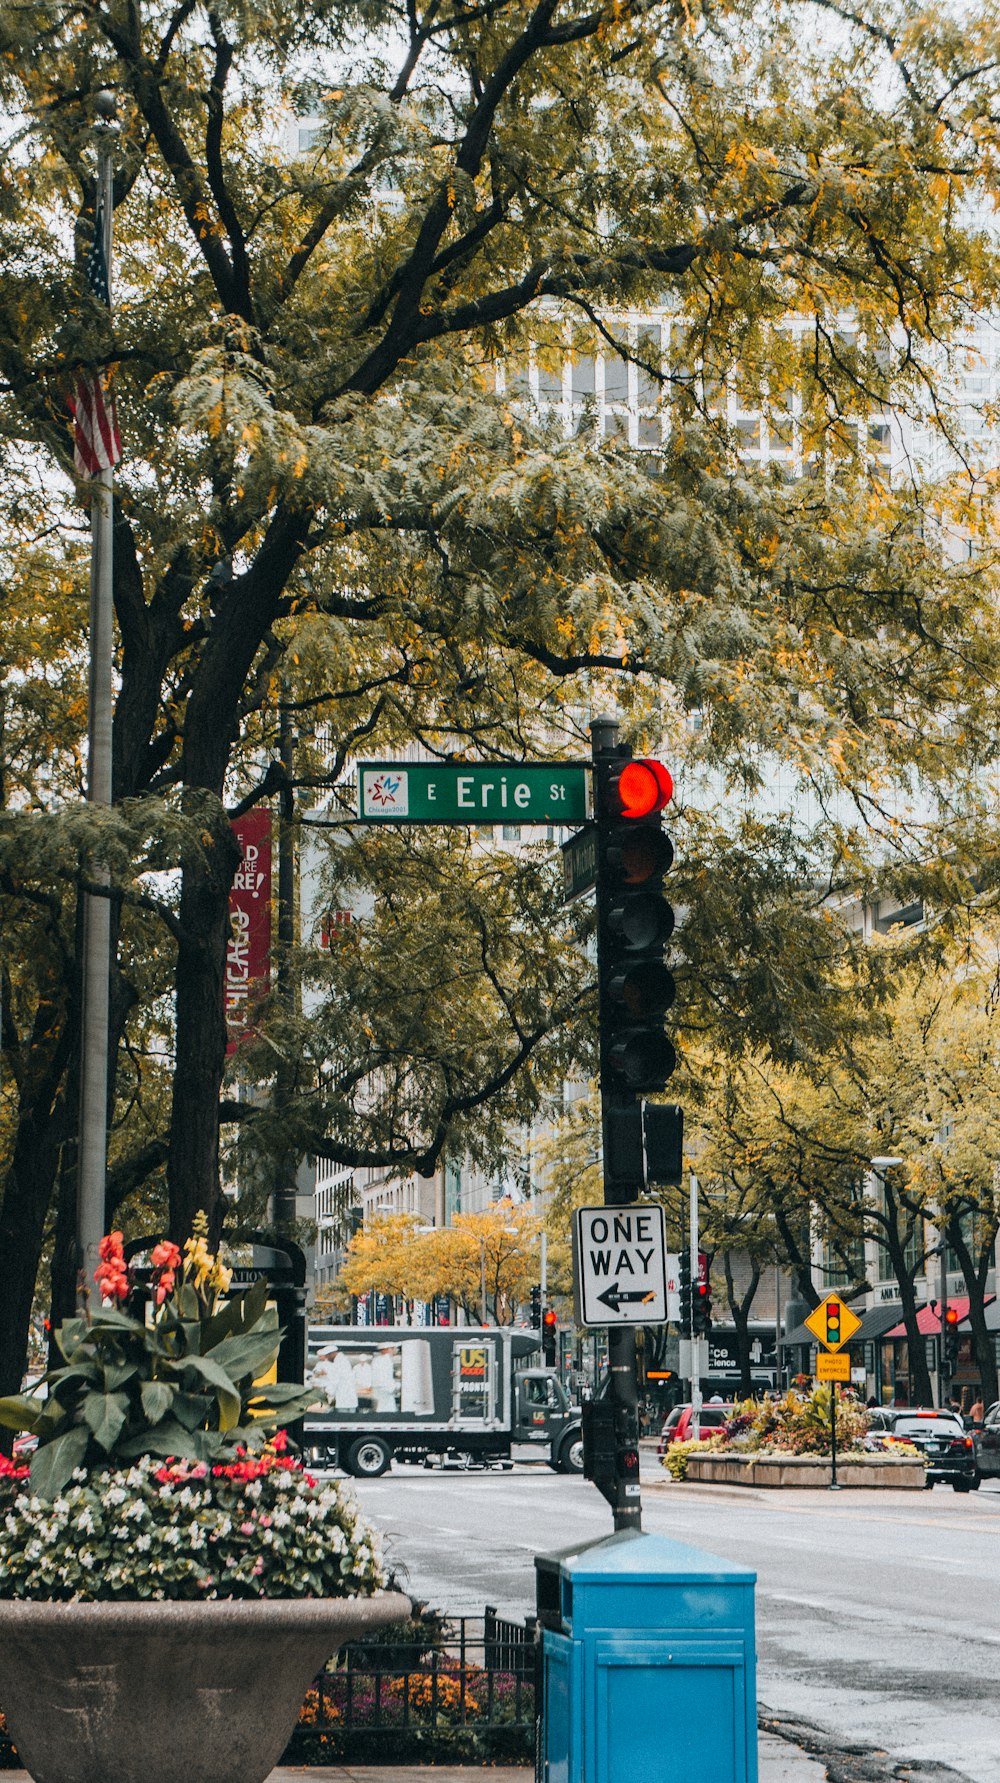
{"x":677,"y":1424}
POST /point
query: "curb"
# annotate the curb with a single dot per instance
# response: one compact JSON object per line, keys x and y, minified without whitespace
{"x":691,"y":1489}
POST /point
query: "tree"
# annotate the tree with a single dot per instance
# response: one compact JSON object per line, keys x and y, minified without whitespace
{"x":485,"y":1261}
{"x":333,"y":507}
{"x":943,"y":1096}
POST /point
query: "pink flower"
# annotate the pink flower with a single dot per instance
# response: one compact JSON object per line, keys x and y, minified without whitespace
{"x":246,"y":1528}
{"x":165,"y":1256}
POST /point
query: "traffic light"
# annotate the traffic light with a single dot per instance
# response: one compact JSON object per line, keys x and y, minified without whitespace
{"x":950,"y":1335}
{"x":550,"y":1320}
{"x":536,"y":1309}
{"x":635,"y":923}
{"x":701,"y":1299}
{"x":684,"y":1276}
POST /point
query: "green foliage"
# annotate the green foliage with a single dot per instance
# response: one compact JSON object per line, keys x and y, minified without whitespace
{"x":677,"y":1454}
{"x":185,"y":1384}
{"x":339,"y":508}
{"x":796,"y":1424}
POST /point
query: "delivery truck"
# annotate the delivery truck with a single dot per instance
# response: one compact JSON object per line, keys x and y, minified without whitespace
{"x":435,"y":1394}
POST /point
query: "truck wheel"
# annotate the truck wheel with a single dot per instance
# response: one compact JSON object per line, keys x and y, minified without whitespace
{"x":571,"y":1454}
{"x":368,"y":1457}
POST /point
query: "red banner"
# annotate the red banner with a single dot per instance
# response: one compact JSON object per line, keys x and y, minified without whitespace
{"x":248,"y":956}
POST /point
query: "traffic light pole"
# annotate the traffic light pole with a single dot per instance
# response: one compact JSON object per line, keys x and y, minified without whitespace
{"x":623,"y":1493}
{"x":695,"y":1248}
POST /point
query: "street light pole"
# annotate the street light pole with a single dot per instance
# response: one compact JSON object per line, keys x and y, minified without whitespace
{"x":942,"y":1314}
{"x":95,"y":1022}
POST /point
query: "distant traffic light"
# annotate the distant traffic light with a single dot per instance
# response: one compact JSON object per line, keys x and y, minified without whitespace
{"x":684,"y":1281}
{"x":701,"y":1299}
{"x":535,"y":1315}
{"x":635,"y":922}
{"x":550,"y":1321}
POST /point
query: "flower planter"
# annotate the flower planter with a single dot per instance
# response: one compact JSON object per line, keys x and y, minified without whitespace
{"x":168,"y":1692}
{"x":903,"y":1473}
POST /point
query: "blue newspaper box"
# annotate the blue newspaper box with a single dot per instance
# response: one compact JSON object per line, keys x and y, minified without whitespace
{"x":648,"y":1664}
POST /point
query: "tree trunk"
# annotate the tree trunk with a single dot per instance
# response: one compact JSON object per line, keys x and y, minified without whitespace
{"x":798,"y":1257}
{"x":974,"y":1277}
{"x":193,"y":1162}
{"x":740,"y":1309}
{"x":26,"y":1198}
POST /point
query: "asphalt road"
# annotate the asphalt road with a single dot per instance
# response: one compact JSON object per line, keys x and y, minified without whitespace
{"x":878,"y":1614}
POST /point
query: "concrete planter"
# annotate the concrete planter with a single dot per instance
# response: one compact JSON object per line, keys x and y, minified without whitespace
{"x":904,"y":1473}
{"x":168,"y":1692}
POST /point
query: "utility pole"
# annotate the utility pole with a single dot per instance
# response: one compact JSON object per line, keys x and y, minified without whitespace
{"x":287,"y":1167}
{"x":625,"y":1497}
{"x":635,"y":988}
{"x":95,"y":1023}
{"x":695,"y":1339}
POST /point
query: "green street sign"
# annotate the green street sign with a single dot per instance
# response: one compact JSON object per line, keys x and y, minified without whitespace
{"x":462,"y":792}
{"x":579,"y":859}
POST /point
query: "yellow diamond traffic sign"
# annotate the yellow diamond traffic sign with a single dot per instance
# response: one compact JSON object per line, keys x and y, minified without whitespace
{"x":833,"y":1323}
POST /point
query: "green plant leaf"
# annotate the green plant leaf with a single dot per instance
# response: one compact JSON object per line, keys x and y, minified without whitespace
{"x":105,"y":1413}
{"x":167,"y":1438}
{"x":53,"y":1463}
{"x":157,"y":1399}
{"x":284,"y":1393}
{"x":109,"y":1319}
{"x":251,"y":1354}
{"x":19,"y":1412}
{"x":192,"y":1409}
{"x":117,"y":1373}
{"x":225,"y":1391}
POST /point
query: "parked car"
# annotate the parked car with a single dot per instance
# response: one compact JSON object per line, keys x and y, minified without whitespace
{"x":942,"y":1437}
{"x":987,"y":1441}
{"x":677,"y":1424}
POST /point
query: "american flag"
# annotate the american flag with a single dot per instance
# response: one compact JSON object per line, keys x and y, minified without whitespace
{"x":97,"y":444}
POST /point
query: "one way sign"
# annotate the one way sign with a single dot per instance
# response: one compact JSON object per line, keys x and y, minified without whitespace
{"x":620,"y":1266}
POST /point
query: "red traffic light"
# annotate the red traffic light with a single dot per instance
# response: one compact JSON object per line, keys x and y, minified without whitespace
{"x":550,"y":1317}
{"x":951,"y":1315}
{"x":643,"y":788}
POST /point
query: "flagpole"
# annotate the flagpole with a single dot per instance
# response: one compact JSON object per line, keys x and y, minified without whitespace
{"x":95,"y":1024}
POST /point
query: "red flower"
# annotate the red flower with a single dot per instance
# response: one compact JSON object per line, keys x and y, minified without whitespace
{"x":111,"y":1274}
{"x":165,"y":1256}
{"x":164,"y":1286}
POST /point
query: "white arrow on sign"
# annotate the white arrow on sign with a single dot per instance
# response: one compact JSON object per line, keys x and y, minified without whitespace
{"x":620,"y":1265}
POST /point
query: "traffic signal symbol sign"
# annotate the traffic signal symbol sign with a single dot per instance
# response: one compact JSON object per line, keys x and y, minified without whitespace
{"x":832,"y":1322}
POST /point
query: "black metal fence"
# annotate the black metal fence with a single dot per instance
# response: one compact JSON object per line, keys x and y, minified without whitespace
{"x":462,"y":1687}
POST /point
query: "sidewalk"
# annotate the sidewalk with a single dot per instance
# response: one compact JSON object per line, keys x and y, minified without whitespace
{"x":780,"y":1762}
